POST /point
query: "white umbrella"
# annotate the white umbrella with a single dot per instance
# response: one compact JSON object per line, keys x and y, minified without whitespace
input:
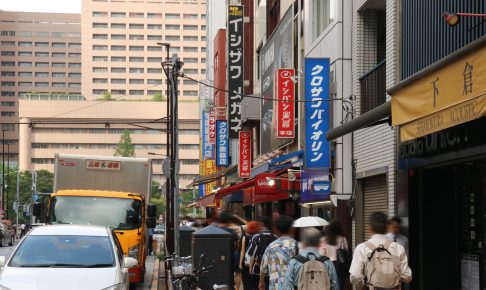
{"x":310,"y":221}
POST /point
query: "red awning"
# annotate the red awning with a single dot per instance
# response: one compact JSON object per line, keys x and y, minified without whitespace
{"x":250,"y":198}
{"x":237,"y":187}
{"x":207,"y":201}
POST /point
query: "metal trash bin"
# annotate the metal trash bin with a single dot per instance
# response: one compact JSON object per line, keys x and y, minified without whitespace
{"x":185,"y":240}
{"x":215,"y":244}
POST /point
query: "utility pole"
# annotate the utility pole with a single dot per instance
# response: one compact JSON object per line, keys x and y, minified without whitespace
{"x":3,"y":168}
{"x":8,"y":181}
{"x":17,"y":196}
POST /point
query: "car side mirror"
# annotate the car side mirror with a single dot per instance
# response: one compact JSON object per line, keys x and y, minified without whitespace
{"x":129,"y":262}
{"x":2,"y":261}
{"x":36,"y":209}
{"x":151,"y":222}
{"x":151,"y":210}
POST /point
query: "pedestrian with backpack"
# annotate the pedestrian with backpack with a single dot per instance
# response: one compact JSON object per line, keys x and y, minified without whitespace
{"x":379,"y":264}
{"x":309,"y":270}
{"x":335,"y":246}
{"x":278,"y":254}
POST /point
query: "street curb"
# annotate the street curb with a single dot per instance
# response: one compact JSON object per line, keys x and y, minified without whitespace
{"x":155,"y":275}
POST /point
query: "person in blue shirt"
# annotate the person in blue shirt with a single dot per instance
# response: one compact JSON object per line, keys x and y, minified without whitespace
{"x":310,"y":242}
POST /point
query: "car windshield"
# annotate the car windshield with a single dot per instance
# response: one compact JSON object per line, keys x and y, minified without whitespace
{"x":116,"y":213}
{"x":64,"y":252}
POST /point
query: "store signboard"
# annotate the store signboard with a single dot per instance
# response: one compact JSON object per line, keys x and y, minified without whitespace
{"x":222,"y":143}
{"x":244,"y":164}
{"x":314,"y":186}
{"x":285,"y":104}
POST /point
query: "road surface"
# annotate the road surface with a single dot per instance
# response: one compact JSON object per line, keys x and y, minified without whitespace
{"x":7,"y":251}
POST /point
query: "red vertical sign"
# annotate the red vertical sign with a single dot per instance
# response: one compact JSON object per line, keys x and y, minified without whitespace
{"x":285,"y":104}
{"x":244,"y":165}
{"x":212,"y":126}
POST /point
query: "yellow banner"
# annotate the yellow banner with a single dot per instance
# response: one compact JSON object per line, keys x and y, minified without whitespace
{"x":210,"y":166}
{"x":452,"y":116}
{"x":447,"y":97}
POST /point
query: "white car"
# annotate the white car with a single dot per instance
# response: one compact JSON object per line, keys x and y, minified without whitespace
{"x":61,"y":257}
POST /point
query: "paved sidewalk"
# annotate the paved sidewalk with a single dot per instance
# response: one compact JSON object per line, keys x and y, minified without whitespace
{"x":149,"y":264}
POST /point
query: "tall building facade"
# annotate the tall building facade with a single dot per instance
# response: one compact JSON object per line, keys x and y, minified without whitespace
{"x":122,"y":56}
{"x":40,"y":53}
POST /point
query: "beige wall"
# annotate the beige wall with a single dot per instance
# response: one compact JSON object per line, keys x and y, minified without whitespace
{"x":121,"y":13}
{"x":31,"y":39}
{"x":82,"y":130}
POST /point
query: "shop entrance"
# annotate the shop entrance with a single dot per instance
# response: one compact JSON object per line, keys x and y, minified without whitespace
{"x":447,"y":226}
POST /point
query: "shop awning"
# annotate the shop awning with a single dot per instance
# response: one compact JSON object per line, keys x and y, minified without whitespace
{"x":234,"y":188}
{"x":450,"y":92}
{"x":250,"y":198}
{"x":286,"y":161}
{"x":235,"y":197}
{"x":378,"y":115}
{"x":207,"y":200}
{"x":214,"y":176}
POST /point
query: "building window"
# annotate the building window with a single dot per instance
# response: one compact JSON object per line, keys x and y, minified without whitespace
{"x":135,"y":92}
{"x":172,"y":38}
{"x":190,"y":59}
{"x":189,"y":27}
{"x":41,"y":74}
{"x":154,"y":48}
{"x":189,"y":16}
{"x":74,"y":45}
{"x":7,"y":33}
{"x":203,"y":49}
{"x":7,"y":94}
{"x":154,"y":26}
{"x":154,"y":15}
{"x":136,"y":70}
{"x":322,"y":16}
{"x":119,"y":26}
{"x":74,"y":55}
{"x":203,"y":27}
{"x":100,"y":81}
{"x":136,"y":59}
{"x":172,"y":16}
{"x":191,"y":71}
{"x":118,"y":14}
{"x":154,"y":59}
{"x":58,"y":64}
{"x":136,"y":81}
{"x":203,"y":60}
{"x":136,"y":37}
{"x":118,"y":81}
{"x":190,"y":38}
{"x":100,"y":69}
{"x":190,"y":93}
{"x":74,"y":75}
{"x":7,"y":104}
{"x":100,"y":58}
{"x":174,"y":49}
{"x":74,"y":85}
{"x":25,"y":63}
{"x":40,"y":84}
{"x":190,"y":161}
{"x":118,"y":36}
{"x":100,"y":36}
{"x":118,"y":59}
{"x":203,"y":16}
{"x":24,"y":43}
{"x":42,"y":34}
{"x":172,"y":27}
{"x":74,"y":64}
{"x":100,"y":25}
{"x":98,"y":92}
{"x":59,"y":44}
{"x":135,"y":15}
{"x":41,"y":64}
{"x":154,"y":37}
{"x":58,"y":54}
{"x":10,"y":84}
{"x":154,"y":70}
{"x":118,"y":92}
{"x":203,"y":71}
{"x":203,"y":38}
{"x":25,"y":53}
{"x":118,"y":70}
{"x":154,"y":81}
{"x":136,"y":48}
{"x":8,"y":74}
{"x":100,"y":47}
{"x":118,"y":47}
{"x":8,"y":63}
{"x":58,"y":75}
{"x":42,"y":44}
{"x":135,"y":26}
{"x":99,"y":14}
{"x":41,"y":54}
{"x":25,"y":74}
{"x":59,"y":85}
{"x":189,"y":82}
{"x":190,"y":49}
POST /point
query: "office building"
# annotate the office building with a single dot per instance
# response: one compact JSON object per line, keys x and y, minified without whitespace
{"x":40,"y":53}
{"x":121,"y":55}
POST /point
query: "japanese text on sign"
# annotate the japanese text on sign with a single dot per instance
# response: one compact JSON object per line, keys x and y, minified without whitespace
{"x":285,"y":104}
{"x":244,"y":165}
{"x":235,"y":68}
{"x":317,"y":153}
{"x":207,"y":147}
{"x":222,"y":144}
{"x":103,"y":165}
{"x":212,"y":126}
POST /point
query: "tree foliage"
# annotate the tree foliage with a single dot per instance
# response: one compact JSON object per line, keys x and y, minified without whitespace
{"x":125,"y":148}
{"x":158,"y":98}
{"x":107,"y":96}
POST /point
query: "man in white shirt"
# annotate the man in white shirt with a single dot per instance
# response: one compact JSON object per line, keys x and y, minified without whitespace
{"x":394,"y":233}
{"x":378,"y":227}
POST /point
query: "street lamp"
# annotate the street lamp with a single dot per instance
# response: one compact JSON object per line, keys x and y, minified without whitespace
{"x":452,"y":19}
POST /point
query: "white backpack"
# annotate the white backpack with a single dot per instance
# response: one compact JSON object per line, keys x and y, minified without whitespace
{"x":383,"y":269}
{"x":313,"y":274}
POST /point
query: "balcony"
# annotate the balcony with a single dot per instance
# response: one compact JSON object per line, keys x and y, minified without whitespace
{"x":373,"y":88}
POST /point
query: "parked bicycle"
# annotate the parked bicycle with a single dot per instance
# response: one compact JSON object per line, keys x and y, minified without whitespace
{"x":190,"y":281}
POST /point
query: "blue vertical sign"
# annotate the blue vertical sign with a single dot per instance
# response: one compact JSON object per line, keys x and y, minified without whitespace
{"x":317,"y":151}
{"x":314,"y":186}
{"x":207,"y":147}
{"x":202,"y":190}
{"x":222,"y":144}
